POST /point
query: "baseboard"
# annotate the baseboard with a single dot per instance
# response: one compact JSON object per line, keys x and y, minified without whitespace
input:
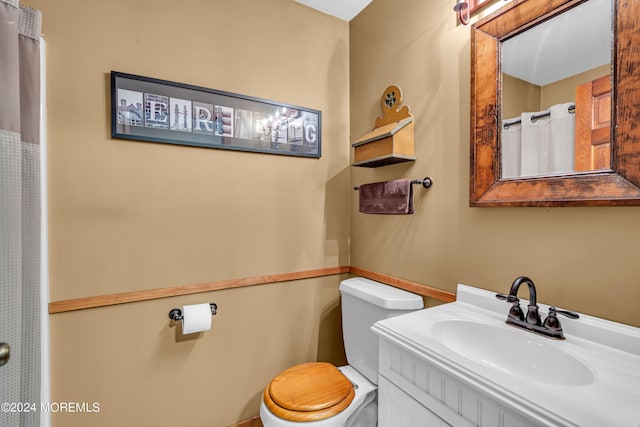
{"x":253,"y":422}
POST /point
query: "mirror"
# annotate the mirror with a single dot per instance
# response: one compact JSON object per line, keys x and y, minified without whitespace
{"x":602,"y":163}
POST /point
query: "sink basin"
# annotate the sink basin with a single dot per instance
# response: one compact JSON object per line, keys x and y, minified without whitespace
{"x":513,"y":352}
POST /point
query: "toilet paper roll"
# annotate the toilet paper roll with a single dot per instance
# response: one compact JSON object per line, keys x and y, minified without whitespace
{"x":196,"y":318}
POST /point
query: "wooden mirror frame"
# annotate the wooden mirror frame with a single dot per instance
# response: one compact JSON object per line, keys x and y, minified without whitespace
{"x":619,"y":186}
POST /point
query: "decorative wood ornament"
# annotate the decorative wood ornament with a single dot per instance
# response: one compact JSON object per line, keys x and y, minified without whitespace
{"x":390,"y":105}
{"x":392,"y":138}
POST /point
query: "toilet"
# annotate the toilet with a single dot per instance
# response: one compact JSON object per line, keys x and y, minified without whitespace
{"x":318,"y":394}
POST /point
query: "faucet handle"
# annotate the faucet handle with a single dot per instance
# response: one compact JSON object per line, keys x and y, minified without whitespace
{"x":552,"y":322}
{"x":569,"y":314}
{"x":515,"y":312}
{"x":508,"y":298}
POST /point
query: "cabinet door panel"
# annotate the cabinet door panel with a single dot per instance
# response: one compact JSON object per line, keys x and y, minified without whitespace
{"x":398,"y":409}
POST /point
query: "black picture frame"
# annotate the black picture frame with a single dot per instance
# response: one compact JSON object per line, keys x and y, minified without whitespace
{"x":154,"y":110}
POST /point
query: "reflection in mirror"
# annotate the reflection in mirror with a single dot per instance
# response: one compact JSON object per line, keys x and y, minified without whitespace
{"x":556,"y":94}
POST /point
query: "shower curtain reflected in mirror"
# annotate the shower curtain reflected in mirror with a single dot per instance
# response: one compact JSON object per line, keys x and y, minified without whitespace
{"x":539,"y":143}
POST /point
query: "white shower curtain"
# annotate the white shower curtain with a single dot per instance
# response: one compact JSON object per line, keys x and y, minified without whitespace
{"x":511,"y":149}
{"x":563,"y":129}
{"x":536,"y":145}
{"x":539,"y":143}
{"x":20,"y":210}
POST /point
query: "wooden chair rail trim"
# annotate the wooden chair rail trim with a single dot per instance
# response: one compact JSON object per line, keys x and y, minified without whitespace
{"x":150,"y":294}
{"x":63,"y":306}
{"x":407,"y":285}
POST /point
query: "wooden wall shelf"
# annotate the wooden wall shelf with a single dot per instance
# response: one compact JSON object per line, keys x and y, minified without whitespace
{"x":392,"y":139}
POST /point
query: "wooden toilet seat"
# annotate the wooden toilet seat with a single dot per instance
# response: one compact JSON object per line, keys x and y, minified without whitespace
{"x":309,"y":392}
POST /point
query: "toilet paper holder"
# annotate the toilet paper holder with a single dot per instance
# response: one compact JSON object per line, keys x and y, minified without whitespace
{"x":176,"y":314}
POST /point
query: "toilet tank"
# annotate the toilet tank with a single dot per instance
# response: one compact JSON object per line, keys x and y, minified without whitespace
{"x":364,"y":302}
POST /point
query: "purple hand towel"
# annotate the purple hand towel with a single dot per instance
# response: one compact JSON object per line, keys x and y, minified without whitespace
{"x":389,"y":197}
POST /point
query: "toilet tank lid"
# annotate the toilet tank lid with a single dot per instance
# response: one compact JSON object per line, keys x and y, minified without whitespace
{"x":382,"y":295}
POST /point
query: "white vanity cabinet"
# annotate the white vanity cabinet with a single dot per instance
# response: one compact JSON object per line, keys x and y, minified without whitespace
{"x":414,"y":393}
{"x":461,"y":365}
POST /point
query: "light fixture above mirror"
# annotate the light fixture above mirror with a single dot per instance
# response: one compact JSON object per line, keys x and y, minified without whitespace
{"x":464,"y":8}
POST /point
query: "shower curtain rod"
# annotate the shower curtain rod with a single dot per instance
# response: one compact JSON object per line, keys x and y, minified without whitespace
{"x":571,"y":109}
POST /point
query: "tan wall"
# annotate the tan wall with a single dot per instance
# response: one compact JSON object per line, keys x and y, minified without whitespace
{"x":132,"y":215}
{"x":128,"y":216}
{"x":580,"y":258}
{"x":143,"y":372}
{"x":518,"y":96}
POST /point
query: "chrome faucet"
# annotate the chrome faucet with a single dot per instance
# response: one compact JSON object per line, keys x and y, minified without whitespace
{"x":551,"y":326}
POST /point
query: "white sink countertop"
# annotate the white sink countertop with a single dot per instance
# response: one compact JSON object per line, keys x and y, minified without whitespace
{"x":592,"y":378}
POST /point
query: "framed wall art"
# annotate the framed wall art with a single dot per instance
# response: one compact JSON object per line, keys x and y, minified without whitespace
{"x":153,"y":110}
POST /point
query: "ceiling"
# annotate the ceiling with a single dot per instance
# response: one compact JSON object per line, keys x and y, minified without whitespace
{"x":343,"y":9}
{"x":575,"y":41}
